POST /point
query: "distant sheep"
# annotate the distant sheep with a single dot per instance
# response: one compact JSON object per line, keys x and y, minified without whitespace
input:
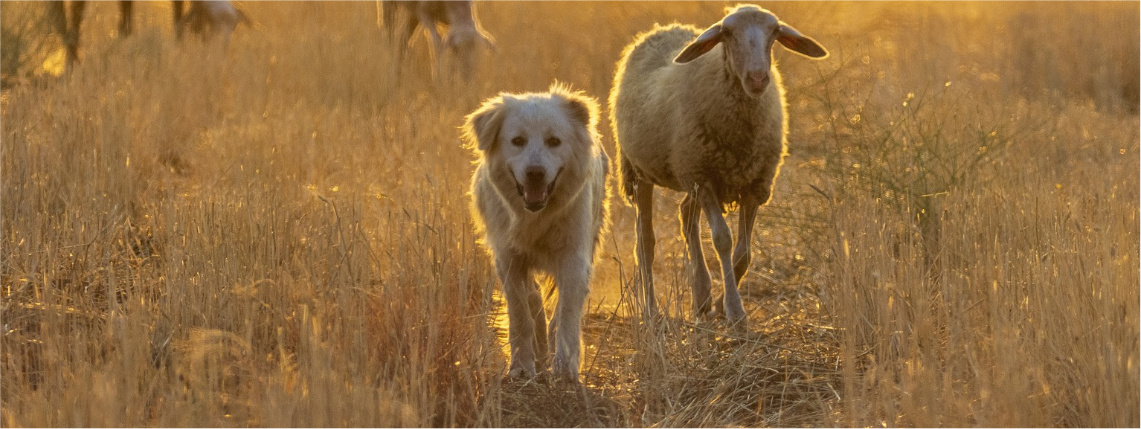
{"x":464,"y":34}
{"x":704,"y":113}
{"x":212,"y":18}
{"x":67,"y":18}
{"x":203,"y":17}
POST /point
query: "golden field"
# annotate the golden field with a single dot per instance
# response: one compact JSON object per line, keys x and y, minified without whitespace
{"x":278,"y":234}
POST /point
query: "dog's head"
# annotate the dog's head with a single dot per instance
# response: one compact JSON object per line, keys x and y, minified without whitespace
{"x":534,"y":143}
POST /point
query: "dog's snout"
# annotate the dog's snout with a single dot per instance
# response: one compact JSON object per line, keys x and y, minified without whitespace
{"x":535,"y":174}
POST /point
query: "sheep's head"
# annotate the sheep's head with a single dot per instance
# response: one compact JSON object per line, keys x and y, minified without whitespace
{"x":465,"y":43}
{"x":465,"y":37}
{"x":748,"y":33}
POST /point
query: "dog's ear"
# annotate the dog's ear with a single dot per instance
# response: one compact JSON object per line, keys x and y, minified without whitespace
{"x":481,"y":127}
{"x":584,"y":111}
{"x":581,"y":107}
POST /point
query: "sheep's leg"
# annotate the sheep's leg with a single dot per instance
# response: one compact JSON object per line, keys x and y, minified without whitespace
{"x":399,"y":36}
{"x":552,"y":333}
{"x":57,"y":13}
{"x":535,"y":300}
{"x":176,"y":15}
{"x":573,"y":280}
{"x":386,"y":17}
{"x":71,"y":35}
{"x":644,"y":249}
{"x":723,"y":242}
{"x":742,"y":254}
{"x":518,"y":287}
{"x":429,"y":23}
{"x":699,"y":273}
{"x":126,"y":17}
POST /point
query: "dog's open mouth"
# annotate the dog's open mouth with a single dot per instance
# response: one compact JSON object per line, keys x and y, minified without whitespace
{"x":535,"y":193}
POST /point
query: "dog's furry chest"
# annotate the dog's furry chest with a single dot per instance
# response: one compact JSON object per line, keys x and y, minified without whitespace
{"x":537,"y":235}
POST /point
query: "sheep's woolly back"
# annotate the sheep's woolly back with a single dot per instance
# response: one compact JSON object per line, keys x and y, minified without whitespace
{"x":655,"y":50}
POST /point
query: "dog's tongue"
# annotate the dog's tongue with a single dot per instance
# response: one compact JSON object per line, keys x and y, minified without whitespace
{"x":534,"y":193}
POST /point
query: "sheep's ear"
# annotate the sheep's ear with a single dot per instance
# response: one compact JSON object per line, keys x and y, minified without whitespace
{"x":703,"y":44}
{"x":243,"y":18}
{"x":800,"y":43}
{"x":481,"y":127}
{"x":488,"y":41}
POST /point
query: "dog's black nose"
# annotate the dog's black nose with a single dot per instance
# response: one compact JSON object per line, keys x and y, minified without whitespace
{"x":535,"y":174}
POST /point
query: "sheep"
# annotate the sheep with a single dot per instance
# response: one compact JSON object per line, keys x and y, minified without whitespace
{"x":703,"y":113}
{"x":464,"y":34}
{"x":68,"y":24}
{"x":214,"y":15}
{"x":212,"y":18}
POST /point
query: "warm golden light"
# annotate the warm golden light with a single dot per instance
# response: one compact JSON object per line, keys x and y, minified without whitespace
{"x":278,"y":232}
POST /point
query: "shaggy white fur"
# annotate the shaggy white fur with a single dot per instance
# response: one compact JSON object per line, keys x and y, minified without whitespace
{"x":539,"y":194}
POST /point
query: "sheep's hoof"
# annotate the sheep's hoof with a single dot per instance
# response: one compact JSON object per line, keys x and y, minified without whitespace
{"x":521,"y":373}
{"x":738,"y":325}
{"x":541,"y":378}
{"x":565,"y":371}
{"x":718,"y":307}
{"x":701,"y":315}
{"x":734,"y":315}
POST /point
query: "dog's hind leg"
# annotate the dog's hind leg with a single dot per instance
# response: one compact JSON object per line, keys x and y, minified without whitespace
{"x":518,"y":286}
{"x":573,"y":280}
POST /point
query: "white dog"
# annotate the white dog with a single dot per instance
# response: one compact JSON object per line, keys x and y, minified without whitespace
{"x":539,"y":194}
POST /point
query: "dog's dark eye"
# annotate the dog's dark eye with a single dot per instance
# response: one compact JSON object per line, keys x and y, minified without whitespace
{"x":554,"y":142}
{"x":518,"y":141}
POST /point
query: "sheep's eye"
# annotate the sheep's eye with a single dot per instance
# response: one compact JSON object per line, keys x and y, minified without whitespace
{"x":519,"y":141}
{"x":554,"y":142}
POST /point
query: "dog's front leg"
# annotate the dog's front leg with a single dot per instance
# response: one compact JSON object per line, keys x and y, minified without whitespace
{"x":517,"y":285}
{"x":573,"y":282}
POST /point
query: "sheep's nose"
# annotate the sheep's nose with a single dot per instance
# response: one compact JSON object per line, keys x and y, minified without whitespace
{"x":758,"y":79}
{"x":535,"y":174}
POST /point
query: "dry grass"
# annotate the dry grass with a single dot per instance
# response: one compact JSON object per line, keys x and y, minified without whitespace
{"x":279,"y":235}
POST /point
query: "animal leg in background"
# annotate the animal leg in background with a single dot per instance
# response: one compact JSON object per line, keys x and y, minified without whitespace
{"x":690,"y":215}
{"x":644,"y":249}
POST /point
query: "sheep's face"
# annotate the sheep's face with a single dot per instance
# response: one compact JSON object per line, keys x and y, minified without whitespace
{"x":465,"y":44}
{"x":214,"y":19}
{"x":747,"y":35}
{"x":748,"y":38}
